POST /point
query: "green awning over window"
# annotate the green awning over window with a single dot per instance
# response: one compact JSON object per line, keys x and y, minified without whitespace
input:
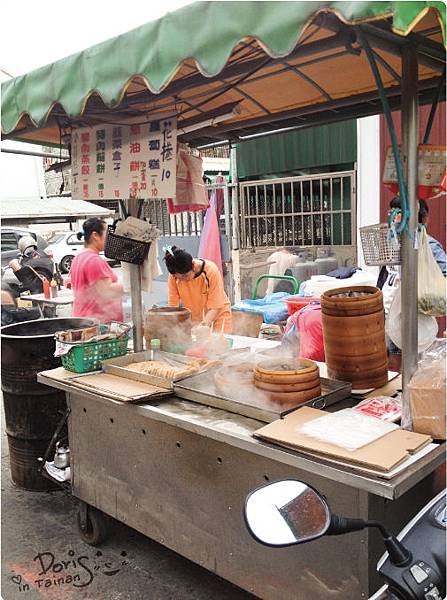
{"x":209,"y":54}
{"x":292,"y":151}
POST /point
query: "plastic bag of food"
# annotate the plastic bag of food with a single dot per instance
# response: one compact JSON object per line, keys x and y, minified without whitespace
{"x":431,"y":281}
{"x":437,"y":350}
{"x":310,"y":328}
{"x":427,"y":326}
{"x":384,"y":408}
{"x":347,"y":429}
{"x":427,"y":398}
{"x":291,"y":337}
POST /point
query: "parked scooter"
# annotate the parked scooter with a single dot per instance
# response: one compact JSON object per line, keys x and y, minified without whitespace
{"x":292,"y":512}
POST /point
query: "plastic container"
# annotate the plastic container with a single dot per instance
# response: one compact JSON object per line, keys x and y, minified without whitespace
{"x":300,"y":271}
{"x":53,"y":288}
{"x":294,"y":304}
{"x":84,"y":358}
{"x":323,"y":263}
{"x":46,"y":288}
{"x":154,"y":346}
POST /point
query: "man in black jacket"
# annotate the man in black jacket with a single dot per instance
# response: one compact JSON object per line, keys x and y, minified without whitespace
{"x":39,"y":266}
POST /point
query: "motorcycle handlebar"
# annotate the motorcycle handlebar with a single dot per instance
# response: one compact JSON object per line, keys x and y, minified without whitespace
{"x":384,"y":594}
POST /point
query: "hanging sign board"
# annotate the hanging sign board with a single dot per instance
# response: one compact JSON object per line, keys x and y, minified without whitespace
{"x":431,"y":170}
{"x":125,"y":161}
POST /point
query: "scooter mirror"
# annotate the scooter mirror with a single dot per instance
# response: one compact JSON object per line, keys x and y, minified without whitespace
{"x":286,"y":513}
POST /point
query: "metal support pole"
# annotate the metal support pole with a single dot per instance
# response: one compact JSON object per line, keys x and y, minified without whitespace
{"x":227,"y":213}
{"x":409,"y":255}
{"x":135,"y":291}
{"x":434,"y":106}
{"x":235,"y":239}
{"x":33,"y":153}
{"x":234,"y":199}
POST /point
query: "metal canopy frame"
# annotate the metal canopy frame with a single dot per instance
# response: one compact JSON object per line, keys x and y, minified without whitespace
{"x":245,"y":66}
{"x":195,"y":91}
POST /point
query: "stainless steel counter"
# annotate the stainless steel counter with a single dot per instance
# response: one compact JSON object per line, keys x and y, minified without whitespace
{"x":179,"y":473}
{"x":237,"y":431}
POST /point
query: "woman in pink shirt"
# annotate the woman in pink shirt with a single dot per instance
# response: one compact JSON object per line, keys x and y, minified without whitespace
{"x":97,"y":291}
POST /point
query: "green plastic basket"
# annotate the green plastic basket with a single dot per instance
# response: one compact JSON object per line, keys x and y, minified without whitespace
{"x":83,"y":358}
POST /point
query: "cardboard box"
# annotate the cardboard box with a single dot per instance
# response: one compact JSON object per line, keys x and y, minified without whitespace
{"x":382,"y":455}
{"x":428,"y":400}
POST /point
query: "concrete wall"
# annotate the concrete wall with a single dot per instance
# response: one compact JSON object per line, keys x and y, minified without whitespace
{"x":368,"y":177}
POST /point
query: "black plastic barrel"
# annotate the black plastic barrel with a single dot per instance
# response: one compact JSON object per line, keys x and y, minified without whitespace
{"x":32,"y":410}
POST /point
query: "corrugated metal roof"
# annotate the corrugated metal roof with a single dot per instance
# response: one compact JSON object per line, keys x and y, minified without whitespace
{"x":50,"y":210}
{"x":291,"y":152}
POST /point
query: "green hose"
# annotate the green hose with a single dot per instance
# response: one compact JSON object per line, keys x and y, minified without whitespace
{"x":387,"y":111}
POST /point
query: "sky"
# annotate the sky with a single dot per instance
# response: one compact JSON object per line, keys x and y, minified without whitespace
{"x":35,"y":33}
{"x":38,"y":32}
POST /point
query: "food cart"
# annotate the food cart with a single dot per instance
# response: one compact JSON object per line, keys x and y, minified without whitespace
{"x":173,"y":469}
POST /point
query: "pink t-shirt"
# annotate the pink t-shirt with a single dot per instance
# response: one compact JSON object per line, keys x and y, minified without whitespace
{"x":86,"y":269}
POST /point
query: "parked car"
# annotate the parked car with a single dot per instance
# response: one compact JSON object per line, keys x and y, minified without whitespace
{"x":10,"y":237}
{"x":64,"y":246}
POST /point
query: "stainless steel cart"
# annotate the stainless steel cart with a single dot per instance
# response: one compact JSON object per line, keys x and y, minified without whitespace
{"x":179,"y":473}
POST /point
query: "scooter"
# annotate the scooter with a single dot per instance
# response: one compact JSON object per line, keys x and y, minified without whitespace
{"x":292,"y":512}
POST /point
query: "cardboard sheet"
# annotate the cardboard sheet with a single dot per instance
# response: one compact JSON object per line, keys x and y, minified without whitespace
{"x":382,"y":455}
{"x":119,"y":388}
{"x":110,"y":386}
{"x":389,"y":389}
{"x":59,"y":374}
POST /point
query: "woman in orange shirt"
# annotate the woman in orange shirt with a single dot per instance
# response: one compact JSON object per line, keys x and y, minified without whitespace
{"x":198,"y":285}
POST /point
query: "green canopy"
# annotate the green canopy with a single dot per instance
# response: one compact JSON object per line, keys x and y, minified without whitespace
{"x":213,"y":54}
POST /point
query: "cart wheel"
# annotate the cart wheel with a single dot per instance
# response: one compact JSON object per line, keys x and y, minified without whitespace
{"x":95,"y":530}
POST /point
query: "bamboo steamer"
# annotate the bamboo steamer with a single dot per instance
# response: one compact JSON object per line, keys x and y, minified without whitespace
{"x":170,"y":325}
{"x":234,"y":375}
{"x":354,"y":336}
{"x":355,"y":346}
{"x":295,"y":398}
{"x":355,"y":301}
{"x":363,"y":324}
{"x":287,"y":387}
{"x":286,"y":371}
{"x":288,"y":382}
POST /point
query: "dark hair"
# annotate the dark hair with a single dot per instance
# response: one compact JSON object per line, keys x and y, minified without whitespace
{"x":94,"y":224}
{"x":423,"y":208}
{"x":178,"y":260}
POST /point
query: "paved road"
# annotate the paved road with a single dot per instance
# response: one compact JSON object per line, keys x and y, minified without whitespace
{"x":39,"y":533}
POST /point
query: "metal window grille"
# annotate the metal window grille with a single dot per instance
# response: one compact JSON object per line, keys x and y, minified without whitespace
{"x":184,"y":224}
{"x":311,"y":210}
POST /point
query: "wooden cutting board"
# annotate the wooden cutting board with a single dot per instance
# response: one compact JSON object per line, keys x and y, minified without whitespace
{"x":382,"y":455}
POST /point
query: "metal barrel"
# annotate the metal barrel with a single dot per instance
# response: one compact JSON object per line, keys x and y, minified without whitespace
{"x":32,"y":410}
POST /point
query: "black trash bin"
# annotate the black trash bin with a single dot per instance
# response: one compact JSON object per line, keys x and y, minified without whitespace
{"x":32,"y":410}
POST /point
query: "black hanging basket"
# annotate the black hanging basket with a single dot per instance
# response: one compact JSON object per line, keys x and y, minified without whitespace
{"x":125,"y":249}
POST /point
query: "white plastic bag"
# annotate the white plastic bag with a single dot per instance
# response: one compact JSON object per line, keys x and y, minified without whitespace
{"x":431,"y":281}
{"x":347,"y":429}
{"x":427,"y":326}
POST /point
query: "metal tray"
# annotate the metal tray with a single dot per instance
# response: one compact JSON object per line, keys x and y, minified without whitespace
{"x":201,"y":389}
{"x":117,"y":366}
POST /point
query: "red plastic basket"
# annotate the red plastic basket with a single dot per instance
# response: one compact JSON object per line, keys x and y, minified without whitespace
{"x":294,"y":304}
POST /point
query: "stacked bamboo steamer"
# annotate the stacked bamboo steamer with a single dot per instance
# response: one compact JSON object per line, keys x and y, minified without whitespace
{"x":290,"y":381}
{"x":354,"y":336}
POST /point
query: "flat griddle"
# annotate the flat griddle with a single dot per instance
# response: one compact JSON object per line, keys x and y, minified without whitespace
{"x":202,"y":389}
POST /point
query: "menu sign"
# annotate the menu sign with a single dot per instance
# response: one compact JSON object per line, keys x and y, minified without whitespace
{"x":125,"y":161}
